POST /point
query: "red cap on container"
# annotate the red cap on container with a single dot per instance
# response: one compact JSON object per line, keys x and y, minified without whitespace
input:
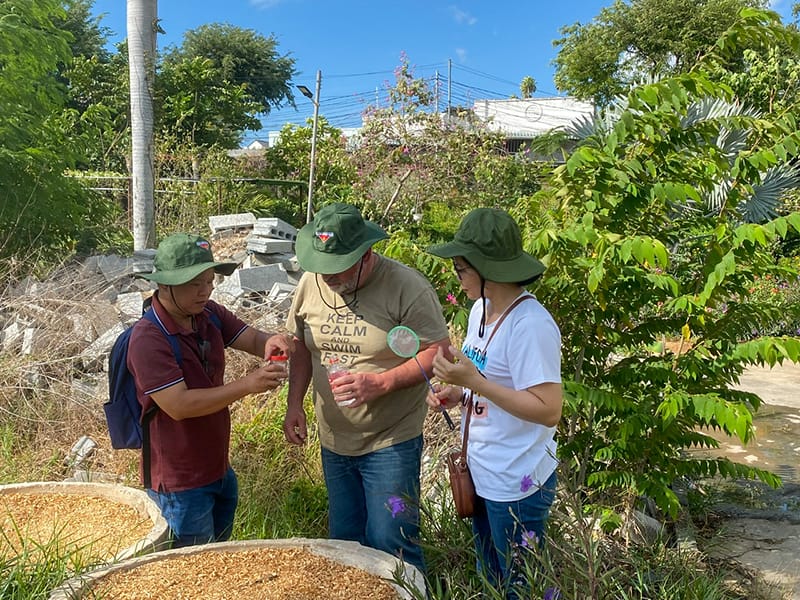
{"x":278,"y":357}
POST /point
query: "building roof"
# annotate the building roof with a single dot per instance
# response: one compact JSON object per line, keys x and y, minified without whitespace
{"x":526,"y":118}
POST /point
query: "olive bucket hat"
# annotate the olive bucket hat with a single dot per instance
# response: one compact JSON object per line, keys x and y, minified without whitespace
{"x":335,"y":239}
{"x":489,"y":239}
{"x":181,"y":257}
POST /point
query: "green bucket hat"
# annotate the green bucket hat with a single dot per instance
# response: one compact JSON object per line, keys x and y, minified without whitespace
{"x":335,"y":239}
{"x":489,"y":239}
{"x":181,"y":257}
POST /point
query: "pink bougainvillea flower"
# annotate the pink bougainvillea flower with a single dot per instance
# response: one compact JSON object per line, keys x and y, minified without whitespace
{"x":526,"y":484}
{"x":396,"y":505}
{"x":452,"y":299}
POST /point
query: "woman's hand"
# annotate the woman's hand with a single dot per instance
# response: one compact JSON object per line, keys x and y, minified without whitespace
{"x":443,"y":396}
{"x":461,"y":372}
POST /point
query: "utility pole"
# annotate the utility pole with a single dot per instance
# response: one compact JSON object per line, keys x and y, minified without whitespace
{"x":315,"y":100}
{"x":449,"y":85}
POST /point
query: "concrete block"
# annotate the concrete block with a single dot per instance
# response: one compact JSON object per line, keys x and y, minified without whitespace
{"x":291,"y":265}
{"x":36,"y":340}
{"x":238,"y":221}
{"x":104,"y":317}
{"x":258,"y":259}
{"x":82,"y":328}
{"x":27,"y":287}
{"x":265,"y":245}
{"x":129,"y":306}
{"x":107,"y":295}
{"x":259,"y":279}
{"x":143,"y":260}
{"x":275,"y":228}
{"x":100,"y":348}
{"x":228,"y":291}
{"x":12,"y":335}
{"x":115,"y":267}
{"x":281,"y":294}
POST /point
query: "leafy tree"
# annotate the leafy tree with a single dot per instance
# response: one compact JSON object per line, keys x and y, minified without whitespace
{"x":626,"y":271}
{"x":89,"y":37}
{"x":630,"y":41}
{"x":334,"y":172}
{"x":760,"y":204}
{"x":98,"y":88}
{"x":99,"y":94}
{"x":199,"y":108}
{"x":40,"y":207}
{"x":240,"y":57}
{"x":410,"y":158}
{"x":768,"y":80}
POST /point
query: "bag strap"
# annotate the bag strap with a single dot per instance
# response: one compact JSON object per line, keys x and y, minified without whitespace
{"x":506,"y":312}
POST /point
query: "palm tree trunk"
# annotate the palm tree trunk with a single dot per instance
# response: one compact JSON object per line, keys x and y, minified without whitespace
{"x":142,"y":24}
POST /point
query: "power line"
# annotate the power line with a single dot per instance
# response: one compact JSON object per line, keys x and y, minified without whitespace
{"x":346,"y":110}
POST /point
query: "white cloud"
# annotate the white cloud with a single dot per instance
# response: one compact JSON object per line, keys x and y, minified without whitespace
{"x":461,"y":53}
{"x":462,"y":17}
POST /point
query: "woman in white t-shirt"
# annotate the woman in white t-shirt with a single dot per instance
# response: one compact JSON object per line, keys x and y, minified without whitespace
{"x":515,"y":382}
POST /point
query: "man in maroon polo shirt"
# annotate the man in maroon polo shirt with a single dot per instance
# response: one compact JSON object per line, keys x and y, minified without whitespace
{"x":190,"y":475}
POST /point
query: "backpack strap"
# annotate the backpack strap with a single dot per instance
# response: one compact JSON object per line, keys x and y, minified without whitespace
{"x":148,"y":415}
{"x":212,"y":316}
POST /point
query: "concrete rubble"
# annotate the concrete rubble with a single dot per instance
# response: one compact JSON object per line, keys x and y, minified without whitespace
{"x":82,"y":308}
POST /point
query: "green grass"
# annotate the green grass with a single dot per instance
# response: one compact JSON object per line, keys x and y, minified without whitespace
{"x":282,"y":495}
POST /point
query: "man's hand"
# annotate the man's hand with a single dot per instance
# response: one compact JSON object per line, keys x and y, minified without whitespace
{"x":280,"y":343}
{"x":359,"y":387}
{"x":266,"y":377}
{"x":294,"y":426}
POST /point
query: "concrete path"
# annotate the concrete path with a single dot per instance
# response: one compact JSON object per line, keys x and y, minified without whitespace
{"x":766,"y":537}
{"x":778,"y":385}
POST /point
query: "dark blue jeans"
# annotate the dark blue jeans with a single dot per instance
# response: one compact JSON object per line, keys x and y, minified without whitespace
{"x":374,"y":499}
{"x":200,"y":515}
{"x":500,"y":527}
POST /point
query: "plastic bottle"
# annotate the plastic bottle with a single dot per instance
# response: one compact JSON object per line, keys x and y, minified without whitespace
{"x":280,"y":359}
{"x":335,"y":370}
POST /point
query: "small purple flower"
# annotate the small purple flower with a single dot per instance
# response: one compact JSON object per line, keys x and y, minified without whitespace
{"x":529,"y":539}
{"x":396,"y":505}
{"x":551,"y":594}
{"x":525,"y":484}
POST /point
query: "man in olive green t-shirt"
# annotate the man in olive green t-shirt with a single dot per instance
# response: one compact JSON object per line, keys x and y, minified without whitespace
{"x":370,"y":419}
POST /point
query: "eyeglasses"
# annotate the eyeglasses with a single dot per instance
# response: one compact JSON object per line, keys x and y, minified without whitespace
{"x":460,"y":269}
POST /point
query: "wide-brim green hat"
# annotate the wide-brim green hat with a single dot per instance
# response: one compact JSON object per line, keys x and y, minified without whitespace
{"x":335,"y":239}
{"x":181,"y":257}
{"x":489,"y":240}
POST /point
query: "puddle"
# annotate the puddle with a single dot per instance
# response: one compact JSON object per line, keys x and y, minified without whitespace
{"x":776,"y":446}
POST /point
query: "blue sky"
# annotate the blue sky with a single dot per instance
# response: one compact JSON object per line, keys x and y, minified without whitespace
{"x":356,"y":44}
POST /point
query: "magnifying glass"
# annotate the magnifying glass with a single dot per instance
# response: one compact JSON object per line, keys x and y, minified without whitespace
{"x":404,"y":342}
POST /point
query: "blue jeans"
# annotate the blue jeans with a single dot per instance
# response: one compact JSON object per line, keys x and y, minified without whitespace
{"x":200,"y":515}
{"x":499,"y":527}
{"x":374,"y":499}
